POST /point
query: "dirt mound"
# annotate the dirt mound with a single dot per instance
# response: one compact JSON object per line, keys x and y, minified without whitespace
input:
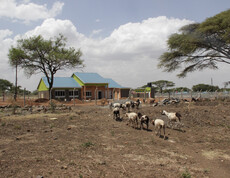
{"x":41,"y":100}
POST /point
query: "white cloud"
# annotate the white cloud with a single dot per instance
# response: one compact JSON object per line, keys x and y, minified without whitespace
{"x":98,"y":20}
{"x":27,"y":11}
{"x":5,"y":33}
{"x":129,"y":55}
{"x":96,"y":32}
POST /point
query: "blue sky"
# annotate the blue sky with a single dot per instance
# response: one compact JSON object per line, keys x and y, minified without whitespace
{"x":120,"y":39}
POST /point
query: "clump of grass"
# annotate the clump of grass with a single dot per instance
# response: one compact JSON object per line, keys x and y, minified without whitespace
{"x":186,"y":174}
{"x":3,"y":124}
{"x":139,"y":142}
{"x":87,"y":144}
{"x":51,"y":126}
{"x":18,"y":127}
{"x":80,"y":176}
{"x":112,"y":133}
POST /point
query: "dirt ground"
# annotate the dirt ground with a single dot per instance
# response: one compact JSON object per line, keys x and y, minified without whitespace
{"x":88,"y":142}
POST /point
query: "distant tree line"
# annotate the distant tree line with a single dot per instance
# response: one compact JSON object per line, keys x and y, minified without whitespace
{"x":6,"y":87}
{"x":164,"y":86}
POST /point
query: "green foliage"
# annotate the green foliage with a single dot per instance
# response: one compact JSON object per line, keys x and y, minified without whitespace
{"x":198,"y":46}
{"x":5,"y":86}
{"x":35,"y":92}
{"x":87,"y":144}
{"x":163,"y":84}
{"x":186,"y":174}
{"x":204,"y":87}
{"x":182,"y":89}
{"x":38,"y":55}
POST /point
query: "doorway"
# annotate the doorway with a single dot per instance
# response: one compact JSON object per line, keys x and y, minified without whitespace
{"x":99,"y":94}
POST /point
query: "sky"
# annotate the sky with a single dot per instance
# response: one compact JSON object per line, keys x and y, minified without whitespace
{"x":120,"y":39}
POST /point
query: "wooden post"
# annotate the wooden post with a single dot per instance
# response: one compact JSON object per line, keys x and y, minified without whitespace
{"x":95,"y":96}
{"x":74,"y":96}
{"x":84,"y":93}
{"x":24,"y":95}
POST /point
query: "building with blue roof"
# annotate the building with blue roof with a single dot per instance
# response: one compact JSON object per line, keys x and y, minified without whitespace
{"x":82,"y":86}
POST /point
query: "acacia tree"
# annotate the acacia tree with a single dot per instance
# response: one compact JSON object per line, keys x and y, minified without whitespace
{"x":5,"y":86}
{"x":199,"y":46}
{"x":38,"y":55}
{"x":163,"y":84}
{"x":204,"y":87}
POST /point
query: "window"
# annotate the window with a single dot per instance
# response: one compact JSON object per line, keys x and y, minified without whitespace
{"x":88,"y":94}
{"x":60,"y":93}
{"x":76,"y":93}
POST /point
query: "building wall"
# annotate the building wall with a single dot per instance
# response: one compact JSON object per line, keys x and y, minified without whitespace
{"x":43,"y":94}
{"x":114,"y":93}
{"x":66,"y":96}
{"x":101,"y":92}
{"x":124,"y":93}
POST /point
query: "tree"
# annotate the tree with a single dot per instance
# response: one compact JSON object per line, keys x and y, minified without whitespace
{"x":5,"y":86}
{"x":163,"y":84}
{"x":204,"y":87}
{"x":199,"y":46}
{"x":182,"y":89}
{"x":38,"y":55}
{"x":15,"y":62}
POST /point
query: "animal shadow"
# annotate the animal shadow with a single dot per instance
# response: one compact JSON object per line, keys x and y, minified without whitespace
{"x":119,"y":119}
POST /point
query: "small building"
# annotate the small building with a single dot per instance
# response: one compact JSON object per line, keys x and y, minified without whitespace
{"x":83,"y":86}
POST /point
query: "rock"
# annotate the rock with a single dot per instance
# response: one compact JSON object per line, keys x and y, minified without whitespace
{"x":64,"y":167}
{"x":39,"y":176}
{"x":54,"y":118}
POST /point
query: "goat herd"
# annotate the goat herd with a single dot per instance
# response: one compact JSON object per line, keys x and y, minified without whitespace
{"x":135,"y":118}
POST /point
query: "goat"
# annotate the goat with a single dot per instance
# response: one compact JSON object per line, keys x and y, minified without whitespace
{"x":143,"y":119}
{"x":117,"y":105}
{"x":128,"y":105}
{"x":137,"y":103}
{"x":172,"y":116}
{"x":159,"y":123}
{"x":132,"y":118}
{"x":116,"y":113}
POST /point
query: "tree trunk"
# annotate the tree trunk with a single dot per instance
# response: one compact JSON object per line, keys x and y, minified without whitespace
{"x":16,"y":82}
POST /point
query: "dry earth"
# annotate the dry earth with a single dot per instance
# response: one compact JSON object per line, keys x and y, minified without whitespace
{"x":87,"y":142}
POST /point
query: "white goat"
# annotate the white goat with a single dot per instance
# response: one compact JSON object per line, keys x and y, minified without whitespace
{"x":159,"y":123}
{"x":172,"y":116}
{"x":132,"y":119}
{"x":116,"y":105}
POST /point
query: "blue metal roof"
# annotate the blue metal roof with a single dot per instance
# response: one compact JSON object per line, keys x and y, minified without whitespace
{"x":113,"y":84}
{"x":62,"y":82}
{"x":90,"y":77}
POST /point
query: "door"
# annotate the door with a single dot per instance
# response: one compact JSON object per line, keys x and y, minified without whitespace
{"x":99,"y":94}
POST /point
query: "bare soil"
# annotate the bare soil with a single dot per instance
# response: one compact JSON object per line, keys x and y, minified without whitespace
{"x":88,"y":142}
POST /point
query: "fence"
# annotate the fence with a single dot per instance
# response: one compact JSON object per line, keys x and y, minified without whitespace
{"x":184,"y":95}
